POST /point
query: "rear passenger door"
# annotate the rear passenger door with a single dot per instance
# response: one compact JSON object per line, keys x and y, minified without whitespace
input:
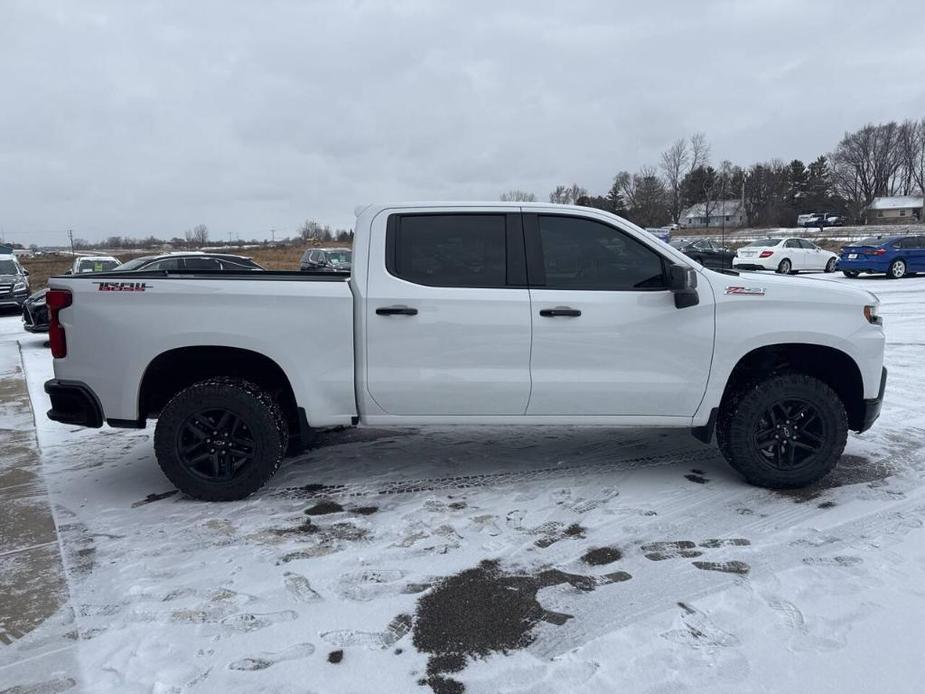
{"x":448,"y":323}
{"x":794,"y":251}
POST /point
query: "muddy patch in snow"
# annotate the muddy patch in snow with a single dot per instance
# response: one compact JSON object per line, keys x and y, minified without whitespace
{"x":601,"y":555}
{"x":487,"y":610}
{"x":322,"y":508}
{"x":851,"y":469}
{"x":151,"y":498}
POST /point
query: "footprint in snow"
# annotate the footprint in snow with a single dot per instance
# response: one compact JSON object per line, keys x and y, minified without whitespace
{"x":670,"y":549}
{"x":247,"y":621}
{"x":261,"y":661}
{"x":699,"y":631}
{"x":299,"y":587}
{"x":393,"y":633}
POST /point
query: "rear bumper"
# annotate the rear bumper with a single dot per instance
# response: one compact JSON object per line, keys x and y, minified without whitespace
{"x":73,"y":402}
{"x":872,"y":406}
{"x":866,"y":264}
{"x":749,"y":266}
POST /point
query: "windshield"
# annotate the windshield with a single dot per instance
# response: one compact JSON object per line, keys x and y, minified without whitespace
{"x":8,"y":267}
{"x":134,"y":264}
{"x":763,"y":243}
{"x":339,"y":257}
{"x":96,"y":265}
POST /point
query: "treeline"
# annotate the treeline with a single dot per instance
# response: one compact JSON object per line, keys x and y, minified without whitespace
{"x":877,"y":160}
{"x":198,"y":236}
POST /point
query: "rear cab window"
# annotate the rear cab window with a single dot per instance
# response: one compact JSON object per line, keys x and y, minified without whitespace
{"x":456,"y":249}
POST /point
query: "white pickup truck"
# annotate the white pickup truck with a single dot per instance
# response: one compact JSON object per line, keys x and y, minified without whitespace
{"x":469,"y":314}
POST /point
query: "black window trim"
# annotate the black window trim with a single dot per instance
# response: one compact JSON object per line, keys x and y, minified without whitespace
{"x":514,"y":253}
{"x":536,"y":271}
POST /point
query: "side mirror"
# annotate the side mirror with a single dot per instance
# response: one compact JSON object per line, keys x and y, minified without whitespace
{"x":68,"y":272}
{"x":25,"y":272}
{"x":683,"y":284}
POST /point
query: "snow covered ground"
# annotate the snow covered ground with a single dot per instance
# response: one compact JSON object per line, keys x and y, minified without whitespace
{"x":419,"y":546}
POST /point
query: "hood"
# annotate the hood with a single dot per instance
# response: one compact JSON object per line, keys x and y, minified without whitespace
{"x":813,"y":288}
{"x":10,"y":278}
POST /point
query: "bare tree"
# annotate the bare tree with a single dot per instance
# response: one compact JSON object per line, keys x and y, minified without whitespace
{"x":911,"y":152}
{"x":197,"y":236}
{"x":310,"y":231}
{"x":867,"y":164}
{"x":674,"y":165}
{"x":517,"y":196}
{"x":700,"y":151}
{"x":567,"y":195}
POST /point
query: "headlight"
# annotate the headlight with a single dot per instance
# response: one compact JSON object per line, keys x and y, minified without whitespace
{"x":19,"y":286}
{"x":872,"y":314}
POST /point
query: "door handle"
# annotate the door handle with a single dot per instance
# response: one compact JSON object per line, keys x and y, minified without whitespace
{"x":564,"y":311}
{"x":396,"y":311}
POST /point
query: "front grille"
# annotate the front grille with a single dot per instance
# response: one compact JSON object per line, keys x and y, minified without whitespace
{"x":6,"y":288}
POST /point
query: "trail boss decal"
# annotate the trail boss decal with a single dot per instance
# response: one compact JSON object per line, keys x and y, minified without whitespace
{"x":752,"y":291}
{"x":122,"y":286}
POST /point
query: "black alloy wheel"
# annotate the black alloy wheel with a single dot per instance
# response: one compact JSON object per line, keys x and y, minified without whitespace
{"x":788,"y":433}
{"x":215,"y":445}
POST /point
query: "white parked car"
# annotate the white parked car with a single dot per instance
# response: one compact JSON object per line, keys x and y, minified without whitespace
{"x":93,"y":263}
{"x":490,"y":313}
{"x":786,"y":256}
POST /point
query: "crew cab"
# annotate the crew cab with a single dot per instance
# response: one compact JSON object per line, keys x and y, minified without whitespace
{"x":469,"y":314}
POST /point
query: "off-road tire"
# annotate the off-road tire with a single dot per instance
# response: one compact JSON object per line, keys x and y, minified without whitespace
{"x":256,"y":409}
{"x":743,"y":410}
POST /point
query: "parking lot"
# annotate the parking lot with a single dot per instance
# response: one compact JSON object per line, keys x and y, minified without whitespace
{"x":552,"y":559}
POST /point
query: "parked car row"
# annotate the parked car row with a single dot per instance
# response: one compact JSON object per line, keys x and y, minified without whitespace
{"x":820,"y":219}
{"x":35,"y":312}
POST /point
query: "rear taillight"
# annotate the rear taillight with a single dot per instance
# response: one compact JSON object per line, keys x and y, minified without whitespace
{"x":766,"y":254}
{"x":55,"y":300}
{"x":878,"y":251}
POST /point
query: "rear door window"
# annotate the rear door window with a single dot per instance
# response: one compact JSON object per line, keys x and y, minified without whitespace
{"x":585,"y":254}
{"x":448,"y":250}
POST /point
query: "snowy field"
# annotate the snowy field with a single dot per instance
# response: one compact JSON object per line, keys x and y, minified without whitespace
{"x":503,"y":560}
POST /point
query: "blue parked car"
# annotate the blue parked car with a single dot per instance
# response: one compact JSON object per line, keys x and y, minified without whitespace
{"x":896,"y":256}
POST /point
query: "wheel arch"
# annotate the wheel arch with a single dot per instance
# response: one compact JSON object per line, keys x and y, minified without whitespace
{"x":175,"y":369}
{"x":832,"y":366}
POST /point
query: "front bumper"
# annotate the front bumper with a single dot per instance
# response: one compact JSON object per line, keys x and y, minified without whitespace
{"x":13,"y":300}
{"x":873,"y":406}
{"x":34,"y":318}
{"x":73,"y":402}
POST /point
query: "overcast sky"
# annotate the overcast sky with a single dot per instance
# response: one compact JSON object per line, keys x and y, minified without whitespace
{"x":144,"y":117}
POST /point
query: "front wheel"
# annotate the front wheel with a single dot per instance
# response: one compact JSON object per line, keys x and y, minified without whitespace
{"x":220,"y":439}
{"x":897,"y":270}
{"x":785,"y":267}
{"x":830,"y":266}
{"x":782,"y":432}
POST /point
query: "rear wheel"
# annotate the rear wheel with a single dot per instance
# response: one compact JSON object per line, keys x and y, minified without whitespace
{"x":851,"y":274}
{"x":785,"y":267}
{"x":830,"y":266}
{"x":785,"y":431}
{"x":220,"y":439}
{"x":897,"y":270}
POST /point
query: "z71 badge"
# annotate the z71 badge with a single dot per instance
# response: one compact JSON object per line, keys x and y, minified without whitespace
{"x":122,"y":286}
{"x":752,"y":291}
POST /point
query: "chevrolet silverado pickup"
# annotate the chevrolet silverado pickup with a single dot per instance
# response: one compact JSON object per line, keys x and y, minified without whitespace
{"x":469,"y":314}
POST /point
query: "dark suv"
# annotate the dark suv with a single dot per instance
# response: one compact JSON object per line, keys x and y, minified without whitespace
{"x":326,"y":260}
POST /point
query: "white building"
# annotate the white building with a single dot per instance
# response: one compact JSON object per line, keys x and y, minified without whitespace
{"x":714,"y":213}
{"x":898,"y":209}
